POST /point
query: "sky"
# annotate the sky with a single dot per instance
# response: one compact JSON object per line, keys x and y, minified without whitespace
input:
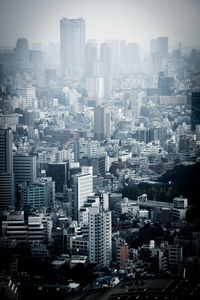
{"x":131,"y":20}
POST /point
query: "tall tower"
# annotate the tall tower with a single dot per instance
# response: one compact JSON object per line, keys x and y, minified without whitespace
{"x":6,"y":169}
{"x":72,"y":46}
{"x":82,"y":188}
{"x":22,"y":53}
{"x":101,"y":123}
{"x":90,"y":57}
{"x":162,"y":47}
{"x":106,"y":58}
{"x":24,"y":168}
{"x":100,"y":231}
{"x":195,"y":110}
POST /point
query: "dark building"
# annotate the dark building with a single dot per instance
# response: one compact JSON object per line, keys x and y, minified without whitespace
{"x":195,"y":110}
{"x":6,"y":169}
{"x":58,"y":172}
{"x":97,"y":162}
{"x":165,"y":84}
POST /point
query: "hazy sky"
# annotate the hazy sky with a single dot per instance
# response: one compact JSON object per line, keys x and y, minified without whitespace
{"x":132,"y":20}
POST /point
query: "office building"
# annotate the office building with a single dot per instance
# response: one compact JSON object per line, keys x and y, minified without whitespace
{"x":9,"y":121}
{"x":14,"y":228}
{"x":28,"y":93}
{"x":22,"y":53}
{"x":101,"y":123}
{"x":35,"y":195}
{"x":24,"y":168}
{"x":58,"y":172}
{"x":72,"y":46}
{"x":100,"y":230}
{"x":6,"y":169}
{"x":97,"y":162}
{"x":195,"y":110}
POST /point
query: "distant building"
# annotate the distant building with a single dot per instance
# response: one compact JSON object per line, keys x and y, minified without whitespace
{"x":101,"y":123}
{"x":22,"y":54}
{"x":72,"y":46}
{"x":28,"y":93}
{"x":90,"y":57}
{"x":106,"y":59}
{"x":165,"y":84}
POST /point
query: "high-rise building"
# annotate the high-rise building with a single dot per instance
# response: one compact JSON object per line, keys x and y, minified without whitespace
{"x":6,"y":169}
{"x":158,"y":52}
{"x":82,"y":188}
{"x":24,"y":168}
{"x":165,"y":84}
{"x":90,"y":57}
{"x":195,"y":110}
{"x":22,"y":54}
{"x":58,"y":172}
{"x":106,"y":59}
{"x":133,"y":55}
{"x":72,"y":46}
{"x":100,"y":245}
{"x":101,"y":123}
{"x":28,"y":93}
{"x":162,"y":47}
{"x":95,"y":87}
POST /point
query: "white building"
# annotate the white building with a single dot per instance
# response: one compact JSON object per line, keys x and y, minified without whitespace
{"x":82,"y":188}
{"x":95,"y":87}
{"x":28,"y":93}
{"x":100,"y":231}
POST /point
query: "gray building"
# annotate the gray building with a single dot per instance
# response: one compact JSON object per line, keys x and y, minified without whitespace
{"x":24,"y":168}
{"x":72,"y":46}
{"x":6,"y":169}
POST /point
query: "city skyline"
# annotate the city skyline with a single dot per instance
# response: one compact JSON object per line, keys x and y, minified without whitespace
{"x":134,"y":21}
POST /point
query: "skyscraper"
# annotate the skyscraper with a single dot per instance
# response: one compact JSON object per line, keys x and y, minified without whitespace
{"x":90,"y":57}
{"x":162,"y":47}
{"x":6,"y":169}
{"x":24,"y":168}
{"x":106,"y":58}
{"x":72,"y":46}
{"x":22,"y":53}
{"x":195,"y":110}
{"x":100,"y":247}
{"x":101,"y":123}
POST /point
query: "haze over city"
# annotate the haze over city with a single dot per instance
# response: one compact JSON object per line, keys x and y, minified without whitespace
{"x":131,"y":20}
